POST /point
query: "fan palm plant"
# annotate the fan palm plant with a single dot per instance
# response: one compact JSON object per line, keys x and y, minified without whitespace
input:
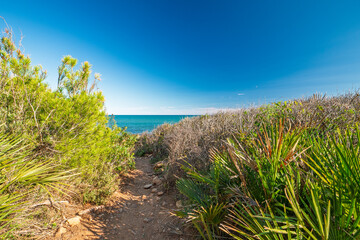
{"x":327,"y":207}
{"x":335,"y":162}
{"x":265,"y":159}
{"x":252,"y":168}
{"x":19,"y":175}
{"x":207,"y":196}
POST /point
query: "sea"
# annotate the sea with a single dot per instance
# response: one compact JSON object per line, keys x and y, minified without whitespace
{"x":137,"y":124}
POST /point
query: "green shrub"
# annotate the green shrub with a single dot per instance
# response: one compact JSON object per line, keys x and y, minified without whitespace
{"x":192,"y":139}
{"x":64,"y":130}
{"x":68,"y":125}
{"x":279,"y":183}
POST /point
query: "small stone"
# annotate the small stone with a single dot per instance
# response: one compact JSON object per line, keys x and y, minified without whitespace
{"x":154,"y":190}
{"x":160,"y":193}
{"x":60,"y":231}
{"x":163,"y":204}
{"x":157,"y":198}
{"x":143,"y":197}
{"x":121,"y":210}
{"x":179,"y":204}
{"x":74,"y":221}
{"x":157,"y":181}
{"x":147,"y":186}
{"x":146,"y":220}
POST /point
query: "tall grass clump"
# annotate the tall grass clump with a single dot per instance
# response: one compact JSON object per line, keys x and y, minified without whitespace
{"x":65,"y":127}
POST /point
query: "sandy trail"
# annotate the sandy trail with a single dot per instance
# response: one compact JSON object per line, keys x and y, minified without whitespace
{"x":133,"y":212}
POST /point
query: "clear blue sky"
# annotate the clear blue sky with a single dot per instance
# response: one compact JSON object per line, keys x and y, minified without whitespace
{"x":191,"y":57}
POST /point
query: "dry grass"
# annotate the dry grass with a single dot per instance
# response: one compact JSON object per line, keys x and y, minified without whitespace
{"x":191,"y":139}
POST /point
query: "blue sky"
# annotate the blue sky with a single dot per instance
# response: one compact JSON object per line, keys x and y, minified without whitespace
{"x":192,"y":56}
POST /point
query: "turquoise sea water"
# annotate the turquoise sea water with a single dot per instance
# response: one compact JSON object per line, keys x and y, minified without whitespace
{"x":142,"y":123}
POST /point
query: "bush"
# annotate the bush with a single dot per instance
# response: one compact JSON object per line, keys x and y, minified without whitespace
{"x":286,"y":170}
{"x":67,"y":127}
{"x":192,"y":139}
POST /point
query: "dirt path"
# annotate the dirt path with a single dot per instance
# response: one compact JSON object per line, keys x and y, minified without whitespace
{"x":133,"y":212}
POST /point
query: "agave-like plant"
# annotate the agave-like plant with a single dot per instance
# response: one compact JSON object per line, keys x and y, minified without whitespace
{"x":19,"y":175}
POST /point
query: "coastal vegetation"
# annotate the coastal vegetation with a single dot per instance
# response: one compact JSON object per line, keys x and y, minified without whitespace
{"x":286,"y":170}
{"x":55,"y":144}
